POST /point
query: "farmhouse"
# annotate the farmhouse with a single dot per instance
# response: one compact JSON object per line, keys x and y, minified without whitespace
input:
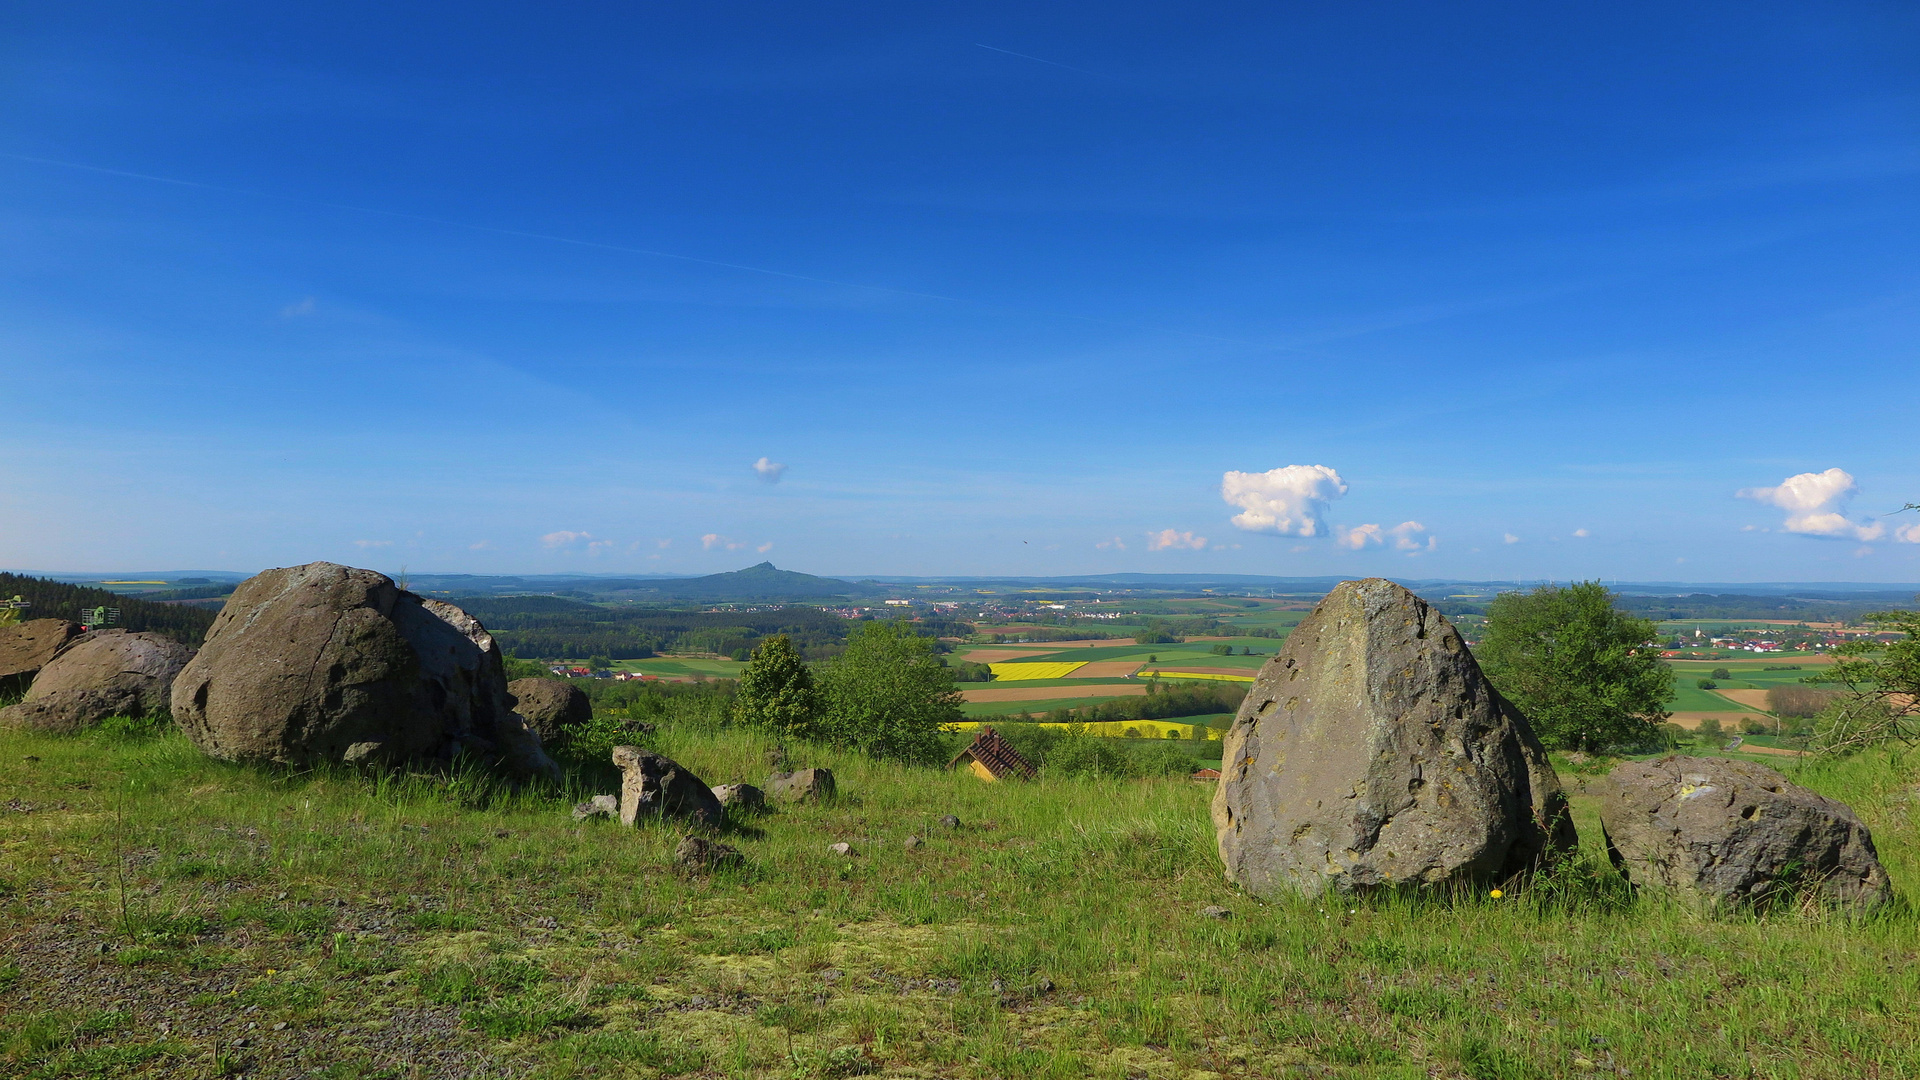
{"x":991,"y":758}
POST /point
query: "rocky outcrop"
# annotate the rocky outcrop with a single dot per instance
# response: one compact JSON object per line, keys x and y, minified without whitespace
{"x":801,"y":785}
{"x":307,"y":663}
{"x":1717,"y":831}
{"x":1371,"y":753}
{"x":654,"y":786}
{"x":550,"y":706}
{"x":26,"y":647}
{"x":100,"y":674}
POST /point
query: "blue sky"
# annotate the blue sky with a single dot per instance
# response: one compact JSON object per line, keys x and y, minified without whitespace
{"x":1004,"y":288}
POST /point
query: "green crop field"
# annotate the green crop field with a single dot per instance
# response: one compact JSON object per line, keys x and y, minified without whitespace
{"x":1036,"y":706}
{"x":171,"y":916}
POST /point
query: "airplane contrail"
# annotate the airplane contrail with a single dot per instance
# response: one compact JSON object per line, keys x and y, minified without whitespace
{"x":1038,"y":60}
{"x":603,"y":246}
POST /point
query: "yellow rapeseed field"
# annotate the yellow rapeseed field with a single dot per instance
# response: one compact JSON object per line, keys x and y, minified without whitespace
{"x":1011,"y":672}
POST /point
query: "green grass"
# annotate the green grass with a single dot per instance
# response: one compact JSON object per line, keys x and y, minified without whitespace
{"x":680,"y":667}
{"x":1690,"y":698}
{"x":1056,"y":934}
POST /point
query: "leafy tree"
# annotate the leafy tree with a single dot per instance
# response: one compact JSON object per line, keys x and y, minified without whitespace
{"x":888,"y":695}
{"x":777,"y":692}
{"x":1882,"y":680}
{"x":1706,"y":684}
{"x":1722,"y":674}
{"x":599,"y":663}
{"x":1585,"y":673}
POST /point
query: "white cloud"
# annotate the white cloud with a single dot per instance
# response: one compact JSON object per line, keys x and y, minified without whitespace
{"x":295,"y":311}
{"x":372,"y":543}
{"x":595,"y":547}
{"x":1510,"y":538}
{"x":1406,"y":536}
{"x":1115,"y":543}
{"x":716,"y":542}
{"x":764,"y":548}
{"x":563,"y":538}
{"x":484,"y":545}
{"x":1167,"y":538}
{"x":770,"y":471}
{"x":663,"y":544}
{"x":1291,"y":501}
{"x":1907,"y":534}
{"x":1582,"y":533}
{"x":1815,"y":504}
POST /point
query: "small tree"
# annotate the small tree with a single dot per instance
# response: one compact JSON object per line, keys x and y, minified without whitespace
{"x":1585,"y":673}
{"x":1881,"y":703}
{"x":1722,"y":674}
{"x":777,"y":692}
{"x":888,"y":695}
{"x":599,"y":663}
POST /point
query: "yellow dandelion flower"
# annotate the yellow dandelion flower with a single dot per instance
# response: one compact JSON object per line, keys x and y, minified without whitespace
{"x":1496,"y":894}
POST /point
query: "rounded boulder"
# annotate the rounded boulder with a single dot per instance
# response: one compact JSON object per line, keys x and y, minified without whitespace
{"x":100,"y":674}
{"x":550,"y":706}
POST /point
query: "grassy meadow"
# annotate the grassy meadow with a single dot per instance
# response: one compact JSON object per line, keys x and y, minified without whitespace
{"x":167,"y":915}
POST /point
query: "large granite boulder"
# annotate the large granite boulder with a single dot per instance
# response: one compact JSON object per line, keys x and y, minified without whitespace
{"x":654,"y":786}
{"x":1371,"y":753}
{"x":326,"y":663}
{"x":1717,"y":831}
{"x":550,"y":706}
{"x":100,"y":674}
{"x":26,"y":647}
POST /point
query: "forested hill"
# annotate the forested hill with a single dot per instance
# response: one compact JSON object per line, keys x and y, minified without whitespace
{"x":550,"y":627}
{"x":763,"y":582}
{"x":58,"y":600}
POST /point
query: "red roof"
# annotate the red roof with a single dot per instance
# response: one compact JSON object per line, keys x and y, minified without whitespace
{"x":993,"y":752}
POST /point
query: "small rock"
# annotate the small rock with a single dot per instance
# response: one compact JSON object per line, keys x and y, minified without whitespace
{"x":1215,"y":911}
{"x":700,"y":853}
{"x":281,"y":1026}
{"x":914,"y":842}
{"x":606,"y":806}
{"x":802,"y":785}
{"x":949,"y":821}
{"x":744,"y":798}
{"x":654,"y":785}
{"x":842,"y":849}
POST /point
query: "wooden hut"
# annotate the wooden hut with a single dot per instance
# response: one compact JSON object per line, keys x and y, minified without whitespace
{"x":991,"y":758}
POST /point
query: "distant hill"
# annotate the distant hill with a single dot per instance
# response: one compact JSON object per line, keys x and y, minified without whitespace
{"x":763,"y":582}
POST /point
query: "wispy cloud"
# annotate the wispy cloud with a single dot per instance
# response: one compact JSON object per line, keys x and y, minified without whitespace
{"x":299,"y":310}
{"x":483,"y":545}
{"x":1169,"y":538}
{"x":364,"y":544}
{"x":1509,"y":538}
{"x":716,"y":542}
{"x":764,"y":548}
{"x":563,"y":538}
{"x":1290,"y":501}
{"x":1406,"y":536}
{"x":1115,"y":544}
{"x":1815,"y":504}
{"x":770,"y":471}
{"x":1582,"y":533}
